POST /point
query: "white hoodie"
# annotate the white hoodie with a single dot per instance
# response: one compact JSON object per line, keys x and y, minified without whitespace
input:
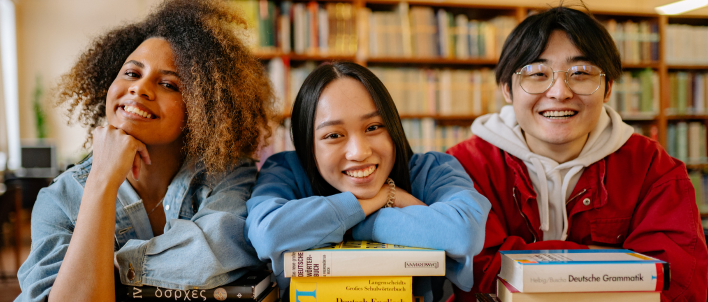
{"x":553,"y":182}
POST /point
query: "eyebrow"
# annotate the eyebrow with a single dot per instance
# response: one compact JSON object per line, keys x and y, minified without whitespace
{"x":569,"y":60}
{"x":339,"y":122}
{"x":141,"y":65}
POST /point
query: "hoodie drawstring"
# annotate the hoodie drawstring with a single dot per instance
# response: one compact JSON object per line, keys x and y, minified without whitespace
{"x":543,"y":200}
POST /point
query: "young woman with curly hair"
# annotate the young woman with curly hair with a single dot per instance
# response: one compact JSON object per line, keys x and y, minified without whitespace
{"x":175,"y":106}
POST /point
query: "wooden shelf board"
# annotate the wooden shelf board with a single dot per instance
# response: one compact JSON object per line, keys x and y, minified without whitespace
{"x":638,"y":117}
{"x":440,"y":117}
{"x":697,"y":166}
{"x":317,"y":57}
{"x":691,"y":67}
{"x":704,"y":215}
{"x":653,"y":65}
{"x":686,"y":117}
{"x":433,"y":61}
{"x":439,"y":3}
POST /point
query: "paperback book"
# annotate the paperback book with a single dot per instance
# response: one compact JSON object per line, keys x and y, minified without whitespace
{"x":583,"y":271}
{"x":253,"y":286}
{"x":361,"y":289}
{"x":507,"y":293}
{"x":365,"y":258}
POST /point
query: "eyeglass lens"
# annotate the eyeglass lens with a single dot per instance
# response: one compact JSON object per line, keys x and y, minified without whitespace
{"x":581,"y":79}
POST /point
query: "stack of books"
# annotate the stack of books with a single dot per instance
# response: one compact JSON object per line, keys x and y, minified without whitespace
{"x":255,"y":286}
{"x":356,"y":270}
{"x":581,"y":275}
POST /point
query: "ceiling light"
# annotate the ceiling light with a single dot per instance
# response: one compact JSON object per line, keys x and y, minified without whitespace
{"x":680,"y":7}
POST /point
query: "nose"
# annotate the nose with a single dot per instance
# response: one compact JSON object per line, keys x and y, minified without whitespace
{"x":358,"y":148}
{"x":559,"y":90}
{"x":142,"y":88}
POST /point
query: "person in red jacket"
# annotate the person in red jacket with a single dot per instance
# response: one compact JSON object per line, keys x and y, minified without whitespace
{"x":563,"y":171}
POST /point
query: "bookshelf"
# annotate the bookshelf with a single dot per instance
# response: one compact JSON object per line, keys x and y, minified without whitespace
{"x":655,"y":95}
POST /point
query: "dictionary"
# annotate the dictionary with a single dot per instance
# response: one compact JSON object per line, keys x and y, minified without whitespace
{"x":507,"y":293}
{"x":583,"y":271}
{"x":365,"y":258}
{"x":253,"y":286}
{"x":352,"y":289}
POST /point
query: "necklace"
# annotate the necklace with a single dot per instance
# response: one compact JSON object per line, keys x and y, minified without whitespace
{"x":157,"y":205}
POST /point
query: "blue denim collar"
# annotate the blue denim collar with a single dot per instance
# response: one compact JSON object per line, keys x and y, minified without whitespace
{"x":132,"y":221}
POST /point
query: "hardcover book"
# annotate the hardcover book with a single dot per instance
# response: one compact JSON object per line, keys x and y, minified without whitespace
{"x":583,"y":271}
{"x":253,"y":286}
{"x":507,"y":293}
{"x":365,"y":258}
{"x":359,"y":289}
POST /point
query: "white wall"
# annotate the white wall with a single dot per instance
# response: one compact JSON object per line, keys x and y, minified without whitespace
{"x":51,"y":34}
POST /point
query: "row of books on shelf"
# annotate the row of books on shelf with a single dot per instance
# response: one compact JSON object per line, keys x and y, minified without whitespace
{"x":687,"y":142}
{"x":474,"y":92}
{"x":688,"y":93}
{"x":302,"y":28}
{"x":636,"y":94}
{"x":637,"y":42}
{"x":459,"y":92}
{"x":699,"y":179}
{"x":422,"y":32}
{"x":686,"y":44}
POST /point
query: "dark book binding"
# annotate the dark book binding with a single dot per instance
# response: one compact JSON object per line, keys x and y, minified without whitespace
{"x":252,"y":286}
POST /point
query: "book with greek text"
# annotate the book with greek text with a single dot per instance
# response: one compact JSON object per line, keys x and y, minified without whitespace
{"x":365,"y":258}
{"x":507,"y":293}
{"x":359,"y":289}
{"x":591,"y":270}
{"x":253,"y":286}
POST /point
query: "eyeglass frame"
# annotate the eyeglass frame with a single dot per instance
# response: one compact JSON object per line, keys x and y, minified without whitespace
{"x":553,"y":80}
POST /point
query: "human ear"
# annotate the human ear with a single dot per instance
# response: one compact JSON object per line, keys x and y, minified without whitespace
{"x":608,"y":91}
{"x":505,"y":92}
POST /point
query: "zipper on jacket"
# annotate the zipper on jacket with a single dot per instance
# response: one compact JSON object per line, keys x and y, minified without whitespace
{"x":576,"y":196}
{"x":528,"y":223}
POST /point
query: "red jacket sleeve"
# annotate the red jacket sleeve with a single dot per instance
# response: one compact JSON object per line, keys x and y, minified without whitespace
{"x":666,"y":225}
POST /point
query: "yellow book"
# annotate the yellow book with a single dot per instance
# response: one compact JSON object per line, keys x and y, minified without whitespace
{"x":351,"y":289}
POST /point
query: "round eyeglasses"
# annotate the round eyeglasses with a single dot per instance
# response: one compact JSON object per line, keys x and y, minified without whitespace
{"x":581,"y":79}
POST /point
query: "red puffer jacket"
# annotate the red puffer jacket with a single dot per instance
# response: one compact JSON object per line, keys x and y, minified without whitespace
{"x":638,"y":198}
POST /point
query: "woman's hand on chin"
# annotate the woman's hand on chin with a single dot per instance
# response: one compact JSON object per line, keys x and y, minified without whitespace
{"x":115,"y":154}
{"x":404,"y":199}
{"x":373,"y":204}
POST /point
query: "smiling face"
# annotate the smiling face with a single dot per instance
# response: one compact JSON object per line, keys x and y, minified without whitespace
{"x":145,"y":100}
{"x":353,"y":149}
{"x":557,"y":117}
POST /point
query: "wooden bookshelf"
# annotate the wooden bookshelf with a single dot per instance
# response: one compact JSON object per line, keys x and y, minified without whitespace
{"x":660,"y":119}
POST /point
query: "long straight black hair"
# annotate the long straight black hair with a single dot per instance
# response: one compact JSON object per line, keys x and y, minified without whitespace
{"x":303,"y":122}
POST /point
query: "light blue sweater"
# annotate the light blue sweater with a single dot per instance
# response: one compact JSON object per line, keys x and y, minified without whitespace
{"x":284,"y":216}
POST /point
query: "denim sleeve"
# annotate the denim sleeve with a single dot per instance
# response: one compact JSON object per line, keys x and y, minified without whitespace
{"x":52,"y":227}
{"x":454,"y":221}
{"x":205,"y":251}
{"x":279,"y":221}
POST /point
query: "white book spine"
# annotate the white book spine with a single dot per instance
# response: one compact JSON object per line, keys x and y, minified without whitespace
{"x":583,"y":277}
{"x":338,"y":263}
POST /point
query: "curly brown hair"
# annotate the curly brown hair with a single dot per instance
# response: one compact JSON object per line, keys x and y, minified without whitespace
{"x":227,"y":93}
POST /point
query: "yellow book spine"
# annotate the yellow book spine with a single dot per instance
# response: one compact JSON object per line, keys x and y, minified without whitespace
{"x":351,"y":289}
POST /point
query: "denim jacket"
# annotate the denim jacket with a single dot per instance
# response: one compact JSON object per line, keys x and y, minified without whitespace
{"x":203,"y":245}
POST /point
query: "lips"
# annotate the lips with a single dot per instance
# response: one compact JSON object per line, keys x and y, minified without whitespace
{"x":360,"y":173}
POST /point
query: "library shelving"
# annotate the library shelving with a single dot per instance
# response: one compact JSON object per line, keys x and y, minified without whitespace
{"x":437,"y":59}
